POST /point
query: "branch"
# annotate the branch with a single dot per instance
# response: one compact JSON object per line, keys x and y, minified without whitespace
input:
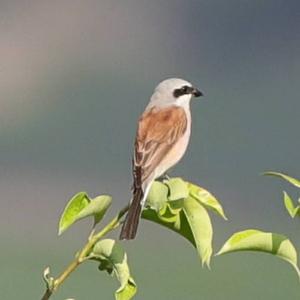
{"x":47,"y":294}
{"x":93,"y":239}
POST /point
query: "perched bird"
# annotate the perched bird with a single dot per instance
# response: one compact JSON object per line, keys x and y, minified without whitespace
{"x":161,"y":140}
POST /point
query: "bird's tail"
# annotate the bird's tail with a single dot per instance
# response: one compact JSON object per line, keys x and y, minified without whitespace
{"x":131,"y":222}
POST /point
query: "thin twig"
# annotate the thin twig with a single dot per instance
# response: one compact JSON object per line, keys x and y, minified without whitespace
{"x":47,"y":294}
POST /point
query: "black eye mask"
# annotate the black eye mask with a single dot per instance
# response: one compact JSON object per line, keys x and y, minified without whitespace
{"x":185,"y":90}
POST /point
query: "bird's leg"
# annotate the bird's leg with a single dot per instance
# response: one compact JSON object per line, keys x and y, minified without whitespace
{"x":166,"y":176}
{"x":163,"y":177}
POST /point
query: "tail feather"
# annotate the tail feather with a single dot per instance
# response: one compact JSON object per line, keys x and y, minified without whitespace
{"x":129,"y":228}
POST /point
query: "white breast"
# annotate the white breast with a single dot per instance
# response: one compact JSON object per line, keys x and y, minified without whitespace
{"x":178,"y":150}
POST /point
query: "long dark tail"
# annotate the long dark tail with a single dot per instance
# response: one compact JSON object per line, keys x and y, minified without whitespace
{"x":131,"y":222}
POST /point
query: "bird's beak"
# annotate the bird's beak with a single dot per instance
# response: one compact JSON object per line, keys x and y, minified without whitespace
{"x":196,"y":93}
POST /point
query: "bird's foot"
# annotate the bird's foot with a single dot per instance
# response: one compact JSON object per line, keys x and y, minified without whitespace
{"x":163,"y":177}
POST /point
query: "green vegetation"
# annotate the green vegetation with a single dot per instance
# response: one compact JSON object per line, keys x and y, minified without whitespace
{"x":179,"y":205}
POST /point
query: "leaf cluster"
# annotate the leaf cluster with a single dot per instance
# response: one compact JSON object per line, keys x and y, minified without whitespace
{"x":178,"y":205}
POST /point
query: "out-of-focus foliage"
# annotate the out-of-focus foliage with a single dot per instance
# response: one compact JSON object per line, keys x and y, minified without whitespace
{"x":268,"y":242}
{"x":292,"y":209}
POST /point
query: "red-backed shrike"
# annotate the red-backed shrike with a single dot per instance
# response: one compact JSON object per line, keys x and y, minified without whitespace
{"x":161,"y":140}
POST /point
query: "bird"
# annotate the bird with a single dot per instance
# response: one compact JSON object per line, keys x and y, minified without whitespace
{"x":162,"y":137}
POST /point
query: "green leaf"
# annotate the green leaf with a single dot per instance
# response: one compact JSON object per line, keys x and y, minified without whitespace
{"x":178,"y":223}
{"x":191,"y":220}
{"x":113,"y":259}
{"x":201,"y":228}
{"x":207,"y":199}
{"x":97,"y":208}
{"x":289,"y":205}
{"x":77,"y":203}
{"x":178,"y":188}
{"x":255,"y":240}
{"x":183,"y":211}
{"x":293,"y":181}
{"x":167,"y":214}
{"x":157,"y":196}
{"x":81,"y":206}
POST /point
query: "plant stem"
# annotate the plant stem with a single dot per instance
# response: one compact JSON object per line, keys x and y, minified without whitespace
{"x":47,"y":294}
{"x":93,"y":239}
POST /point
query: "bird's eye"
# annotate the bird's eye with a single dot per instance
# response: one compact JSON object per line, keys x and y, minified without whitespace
{"x":184,"y":89}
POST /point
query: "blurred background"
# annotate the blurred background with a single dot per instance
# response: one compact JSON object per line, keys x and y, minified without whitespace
{"x":74,"y":77}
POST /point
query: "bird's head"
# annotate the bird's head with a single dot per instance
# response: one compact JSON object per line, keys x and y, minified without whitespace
{"x":174,"y":91}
